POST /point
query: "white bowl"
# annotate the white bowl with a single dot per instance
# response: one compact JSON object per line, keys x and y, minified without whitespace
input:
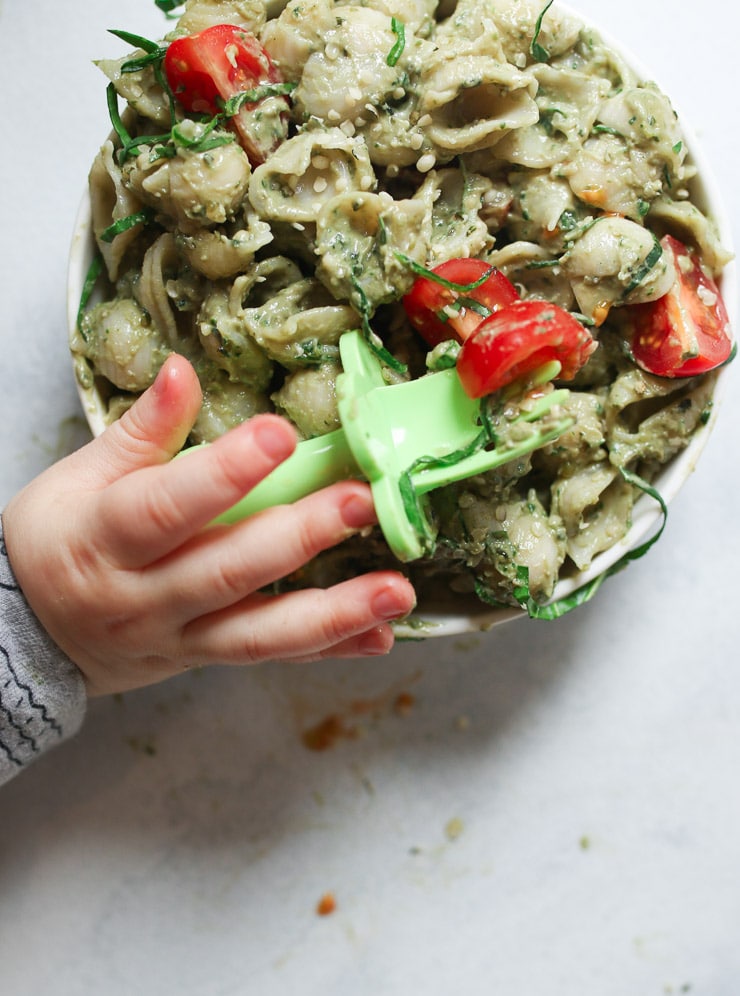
{"x":465,"y":614}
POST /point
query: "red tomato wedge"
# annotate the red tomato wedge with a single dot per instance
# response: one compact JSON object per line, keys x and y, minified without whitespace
{"x":519,"y":339}
{"x":687,"y":331}
{"x":440,"y":312}
{"x":208,"y":68}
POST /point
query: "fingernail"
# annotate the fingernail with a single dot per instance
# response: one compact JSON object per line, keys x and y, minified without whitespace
{"x":389,"y":603}
{"x":272,"y":439}
{"x":161,"y":382}
{"x":358,"y":511}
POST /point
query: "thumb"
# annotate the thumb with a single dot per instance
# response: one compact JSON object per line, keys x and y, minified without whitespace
{"x":156,"y":426}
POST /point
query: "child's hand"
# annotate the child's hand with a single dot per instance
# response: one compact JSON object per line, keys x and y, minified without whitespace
{"x":111,"y":549}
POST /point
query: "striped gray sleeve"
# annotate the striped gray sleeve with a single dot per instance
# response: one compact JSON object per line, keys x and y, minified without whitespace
{"x":42,"y":693}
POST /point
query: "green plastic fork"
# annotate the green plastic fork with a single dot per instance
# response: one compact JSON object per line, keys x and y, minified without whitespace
{"x":404,"y":439}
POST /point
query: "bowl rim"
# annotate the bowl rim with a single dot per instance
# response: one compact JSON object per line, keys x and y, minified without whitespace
{"x":436,"y":621}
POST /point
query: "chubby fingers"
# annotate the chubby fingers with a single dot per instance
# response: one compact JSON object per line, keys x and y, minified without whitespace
{"x":155,"y":510}
{"x":348,"y":619}
{"x":222,"y":565}
{"x":153,"y":429}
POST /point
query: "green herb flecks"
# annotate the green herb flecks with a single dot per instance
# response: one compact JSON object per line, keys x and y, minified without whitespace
{"x":601,"y":129}
{"x":142,"y":217}
{"x":399,"y":30}
{"x":423,"y":271}
{"x":414,"y":503}
{"x":170,"y":8}
{"x":115,"y":117}
{"x":312,"y":352}
{"x":233,"y":105}
{"x":166,"y":144}
{"x":558,"y":608}
{"x":650,"y":261}
{"x":91,"y":279}
{"x":416,"y":514}
{"x":538,"y":52}
{"x":153,"y":51}
{"x":371,"y":336}
{"x":542,"y":264}
{"x":463,"y":299}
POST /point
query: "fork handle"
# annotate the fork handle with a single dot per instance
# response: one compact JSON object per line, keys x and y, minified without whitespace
{"x":314,"y":464}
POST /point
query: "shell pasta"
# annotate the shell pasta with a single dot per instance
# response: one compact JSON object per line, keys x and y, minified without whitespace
{"x":250,"y":230}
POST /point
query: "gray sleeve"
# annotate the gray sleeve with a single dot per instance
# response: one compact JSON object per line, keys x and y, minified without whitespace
{"x":42,"y":693}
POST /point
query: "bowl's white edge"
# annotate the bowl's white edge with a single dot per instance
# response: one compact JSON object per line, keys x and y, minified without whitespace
{"x":646,"y":513}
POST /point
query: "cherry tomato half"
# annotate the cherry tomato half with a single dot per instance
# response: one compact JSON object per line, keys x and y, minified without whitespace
{"x":439,"y":312}
{"x":519,"y":339}
{"x":687,"y":331}
{"x":220,"y":62}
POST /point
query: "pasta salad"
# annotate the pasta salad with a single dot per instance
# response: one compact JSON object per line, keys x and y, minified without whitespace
{"x":483,"y":184}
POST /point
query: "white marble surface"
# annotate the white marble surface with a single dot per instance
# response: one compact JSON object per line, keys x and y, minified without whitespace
{"x":557,"y":813}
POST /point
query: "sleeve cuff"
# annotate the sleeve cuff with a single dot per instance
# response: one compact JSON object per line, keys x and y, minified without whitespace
{"x":42,"y":692}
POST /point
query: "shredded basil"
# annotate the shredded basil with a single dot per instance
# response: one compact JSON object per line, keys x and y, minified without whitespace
{"x":554,"y":610}
{"x":124,"y":224}
{"x":137,"y":41}
{"x":412,"y":501}
{"x":412,"y":507}
{"x":115,"y":116}
{"x":645,"y":267}
{"x":538,"y":52}
{"x":399,"y":30}
{"x":601,"y":129}
{"x":312,"y":352}
{"x":204,"y":141}
{"x":375,"y":343}
{"x":541,"y":264}
{"x":168,"y":7}
{"x":165,"y":145}
{"x":91,"y":278}
{"x":423,"y":271}
{"x":153,"y":51}
{"x":234,"y":104}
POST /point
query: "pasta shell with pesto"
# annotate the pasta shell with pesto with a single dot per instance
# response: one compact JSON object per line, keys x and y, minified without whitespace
{"x":616,"y":261}
{"x":472,"y":101}
{"x":228,"y":250}
{"x":112,"y":201}
{"x":142,"y":90}
{"x":649,"y":419}
{"x":595,"y":505}
{"x":456,"y":204}
{"x":227,"y":343}
{"x":297,"y":323}
{"x":568,"y":103}
{"x":296,"y":33}
{"x":307,"y":171}
{"x":358,"y":239}
{"x":351,"y":70}
{"x":124,"y":345}
{"x":160,"y":265}
{"x":198,"y":15}
{"x":308,"y":397}
{"x":518,"y":21}
{"x":192,"y":189}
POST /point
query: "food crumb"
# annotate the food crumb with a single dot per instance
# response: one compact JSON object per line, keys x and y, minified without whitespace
{"x":325,"y":734}
{"x":142,"y":745}
{"x":584,"y":843}
{"x":454,"y":828}
{"x":404,"y":704}
{"x":326,"y":905}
